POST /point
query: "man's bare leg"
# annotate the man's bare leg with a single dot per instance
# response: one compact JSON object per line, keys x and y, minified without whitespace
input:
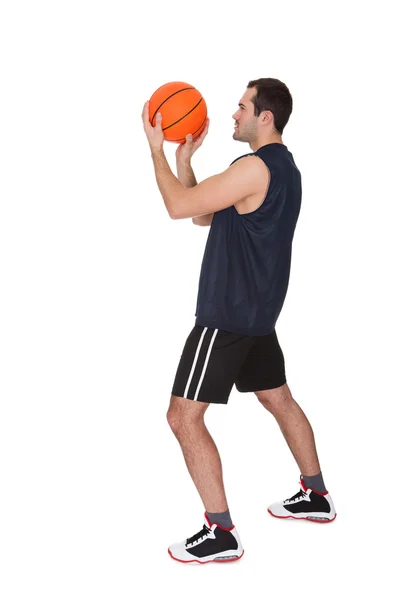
{"x":294,"y":426}
{"x":186,"y":419}
{"x":313,"y":501}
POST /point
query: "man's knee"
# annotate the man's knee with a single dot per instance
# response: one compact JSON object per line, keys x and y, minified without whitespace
{"x":175,"y":419}
{"x":183,"y":414}
{"x":275,"y":400}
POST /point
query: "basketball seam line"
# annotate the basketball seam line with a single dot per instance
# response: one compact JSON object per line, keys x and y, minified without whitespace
{"x":164,"y":101}
{"x":172,"y":124}
{"x":178,"y":140}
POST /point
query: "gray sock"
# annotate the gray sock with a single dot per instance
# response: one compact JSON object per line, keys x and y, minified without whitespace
{"x":223,"y":519}
{"x":315,"y":482}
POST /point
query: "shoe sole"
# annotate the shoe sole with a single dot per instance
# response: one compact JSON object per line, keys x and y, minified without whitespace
{"x":314,"y":519}
{"x":204,"y":562}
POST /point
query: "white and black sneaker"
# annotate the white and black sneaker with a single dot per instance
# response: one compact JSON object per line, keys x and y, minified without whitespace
{"x":306,"y":504}
{"x":211,"y":544}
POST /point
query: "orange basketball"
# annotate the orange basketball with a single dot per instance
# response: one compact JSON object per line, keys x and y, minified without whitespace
{"x":183,"y":110}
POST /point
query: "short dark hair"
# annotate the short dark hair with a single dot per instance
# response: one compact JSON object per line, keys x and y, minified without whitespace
{"x":272,"y":95}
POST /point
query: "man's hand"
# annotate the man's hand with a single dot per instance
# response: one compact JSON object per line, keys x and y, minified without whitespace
{"x":155,"y":134}
{"x":185,"y":151}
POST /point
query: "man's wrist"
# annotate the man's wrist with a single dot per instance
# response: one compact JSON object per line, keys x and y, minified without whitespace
{"x":185,"y":162}
{"x":156,"y":151}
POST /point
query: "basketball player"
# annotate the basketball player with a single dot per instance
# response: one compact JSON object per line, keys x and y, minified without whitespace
{"x":252,"y":208}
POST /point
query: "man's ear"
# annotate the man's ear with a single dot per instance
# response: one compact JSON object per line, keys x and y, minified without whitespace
{"x":267,"y":117}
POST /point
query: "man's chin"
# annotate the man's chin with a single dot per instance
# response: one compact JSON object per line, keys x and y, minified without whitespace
{"x":237,"y":137}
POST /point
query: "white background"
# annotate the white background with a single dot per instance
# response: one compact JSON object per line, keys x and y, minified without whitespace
{"x":98,"y":292}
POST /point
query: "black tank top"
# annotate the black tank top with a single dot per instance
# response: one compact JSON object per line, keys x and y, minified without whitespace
{"x":245,"y":270}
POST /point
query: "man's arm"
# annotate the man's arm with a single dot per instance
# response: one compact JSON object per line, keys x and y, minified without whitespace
{"x":187,"y":177}
{"x":242,"y":179}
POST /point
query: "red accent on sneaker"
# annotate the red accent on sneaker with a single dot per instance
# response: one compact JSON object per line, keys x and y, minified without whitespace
{"x":319,"y":493}
{"x":302,"y":518}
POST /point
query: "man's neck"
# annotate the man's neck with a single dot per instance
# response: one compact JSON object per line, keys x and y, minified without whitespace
{"x":271,"y":140}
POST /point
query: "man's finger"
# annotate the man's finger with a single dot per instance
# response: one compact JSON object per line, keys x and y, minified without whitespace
{"x":203,"y":134}
{"x":145,"y":112}
{"x":159,"y":121}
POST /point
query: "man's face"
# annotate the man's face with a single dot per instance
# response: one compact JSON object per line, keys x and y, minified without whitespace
{"x":246,"y":124}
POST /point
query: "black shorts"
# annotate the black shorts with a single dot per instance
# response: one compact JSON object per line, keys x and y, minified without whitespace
{"x":213,"y":360}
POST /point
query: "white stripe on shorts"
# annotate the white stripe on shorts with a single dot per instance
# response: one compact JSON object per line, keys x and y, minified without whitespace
{"x":196,"y":356}
{"x":205,"y":364}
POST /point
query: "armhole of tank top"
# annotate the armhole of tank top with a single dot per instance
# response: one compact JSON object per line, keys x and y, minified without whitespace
{"x":265,"y":195}
{"x":243,"y":156}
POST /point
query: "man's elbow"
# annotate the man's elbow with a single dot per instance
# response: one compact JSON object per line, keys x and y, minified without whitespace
{"x":172,"y":212}
{"x":176,"y":210}
{"x":176,"y":213}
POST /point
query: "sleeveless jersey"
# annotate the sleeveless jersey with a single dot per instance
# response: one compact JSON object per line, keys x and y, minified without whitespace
{"x":245,"y":270}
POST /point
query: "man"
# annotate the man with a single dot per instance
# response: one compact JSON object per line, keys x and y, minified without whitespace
{"x":252,"y":208}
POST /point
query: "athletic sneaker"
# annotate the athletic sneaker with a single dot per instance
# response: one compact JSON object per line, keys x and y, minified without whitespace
{"x":212,"y":543}
{"x":306,"y":504}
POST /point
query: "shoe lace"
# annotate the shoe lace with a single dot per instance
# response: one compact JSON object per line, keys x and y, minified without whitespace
{"x":297,"y":496}
{"x":204,"y":532}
